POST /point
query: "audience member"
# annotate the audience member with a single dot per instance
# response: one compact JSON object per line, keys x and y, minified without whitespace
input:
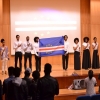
{"x":28,"y":79}
{"x":33,"y":87}
{"x":5,"y":83}
{"x":1,"y":90}
{"x":17,"y":87}
{"x":47,"y":85}
{"x":90,"y":82}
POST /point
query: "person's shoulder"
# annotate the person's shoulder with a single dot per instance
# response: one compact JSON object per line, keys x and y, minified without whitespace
{"x":53,"y":79}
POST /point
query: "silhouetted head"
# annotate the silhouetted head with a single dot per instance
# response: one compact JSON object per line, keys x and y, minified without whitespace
{"x":90,"y":74}
{"x":11,"y":71}
{"x":47,"y":69}
{"x":36,"y":75}
{"x":27,"y":72}
{"x":17,"y":72}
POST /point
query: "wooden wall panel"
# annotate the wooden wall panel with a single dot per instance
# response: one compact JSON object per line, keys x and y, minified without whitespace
{"x":95,"y":20}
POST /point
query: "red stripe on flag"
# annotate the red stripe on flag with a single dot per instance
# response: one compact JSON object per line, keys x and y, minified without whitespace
{"x":46,"y":48}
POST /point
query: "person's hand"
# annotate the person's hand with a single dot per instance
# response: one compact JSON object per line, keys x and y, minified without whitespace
{"x":19,"y":45}
{"x":28,"y":44}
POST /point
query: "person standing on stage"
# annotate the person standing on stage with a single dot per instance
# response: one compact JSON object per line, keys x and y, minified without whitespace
{"x":4,"y":56}
{"x":36,"y":51}
{"x":76,"y":48}
{"x":18,"y":51}
{"x":95,"y":57}
{"x":28,"y":47}
{"x":86,"y":54}
{"x":65,"y":57}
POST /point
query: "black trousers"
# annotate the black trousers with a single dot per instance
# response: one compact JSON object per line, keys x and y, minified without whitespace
{"x":18,"y":55}
{"x":28,"y":56}
{"x":38,"y":63}
{"x":65,"y":61}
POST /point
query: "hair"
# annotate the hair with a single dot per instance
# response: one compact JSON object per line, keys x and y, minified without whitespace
{"x":17,"y":72}
{"x":36,"y":39}
{"x":11,"y":70}
{"x":76,"y":39}
{"x":90,"y":74}
{"x":36,"y":75}
{"x":65,"y":36}
{"x":2,"y":40}
{"x":94,"y":38}
{"x":85,"y":39}
{"x":27,"y":73}
{"x":47,"y":69}
{"x":17,"y":36}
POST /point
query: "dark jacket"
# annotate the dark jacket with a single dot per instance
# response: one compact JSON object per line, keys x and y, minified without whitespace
{"x":17,"y":89}
{"x":48,"y":87}
{"x":1,"y":90}
{"x":5,"y":86}
{"x":33,"y":91}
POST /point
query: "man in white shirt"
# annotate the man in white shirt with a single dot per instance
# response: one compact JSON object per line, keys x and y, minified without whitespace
{"x":66,"y":54}
{"x":36,"y":51}
{"x":27,"y":46}
{"x":18,"y":51}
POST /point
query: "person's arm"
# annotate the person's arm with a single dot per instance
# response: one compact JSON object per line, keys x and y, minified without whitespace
{"x":25,"y":47}
{"x":67,"y":49}
{"x":56,"y":88}
{"x":35,"y":51}
{"x":74,"y":48}
{"x":84,"y":47}
{"x":15,"y":46}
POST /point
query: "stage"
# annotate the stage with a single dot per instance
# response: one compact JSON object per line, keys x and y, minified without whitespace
{"x":57,"y":71}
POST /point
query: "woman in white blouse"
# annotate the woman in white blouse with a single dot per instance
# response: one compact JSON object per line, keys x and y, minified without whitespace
{"x":86,"y":63}
{"x":95,"y":57}
{"x":76,"y":48}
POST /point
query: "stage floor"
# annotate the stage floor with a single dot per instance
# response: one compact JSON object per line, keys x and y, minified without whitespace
{"x":57,"y":71}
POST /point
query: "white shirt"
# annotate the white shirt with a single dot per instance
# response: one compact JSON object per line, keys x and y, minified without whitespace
{"x":27,"y":48}
{"x":36,"y":48}
{"x":78,"y":48}
{"x":17,"y":49}
{"x":66,"y":46}
{"x":96,"y":46}
{"x":85,"y":44}
{"x":90,"y":86}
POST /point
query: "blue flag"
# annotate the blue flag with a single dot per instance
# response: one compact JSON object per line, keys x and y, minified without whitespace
{"x":51,"y":46}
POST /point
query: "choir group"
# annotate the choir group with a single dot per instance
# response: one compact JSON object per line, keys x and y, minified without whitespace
{"x":27,"y":47}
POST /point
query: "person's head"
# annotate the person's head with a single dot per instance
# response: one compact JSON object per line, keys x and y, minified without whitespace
{"x":65,"y":37}
{"x":17,"y":72}
{"x":76,"y":40}
{"x":95,"y":39}
{"x":36,"y":39}
{"x":17,"y":37}
{"x":3,"y":42}
{"x":36,"y":75}
{"x":86,"y":39}
{"x":27,"y":38}
{"x":47,"y":69}
{"x":11,"y":71}
{"x":27,"y":72}
{"x":90,"y":74}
